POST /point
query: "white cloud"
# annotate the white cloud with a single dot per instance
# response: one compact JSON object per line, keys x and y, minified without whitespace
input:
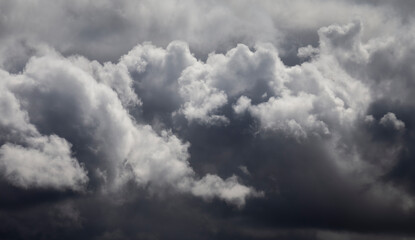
{"x":201,"y":99}
{"x":206,"y":87}
{"x":229,"y":190}
{"x":308,"y":51}
{"x":390,"y":120}
{"x":88,"y":98}
{"x":311,"y":98}
{"x":29,"y":159}
{"x":289,"y":114}
{"x":45,"y":163}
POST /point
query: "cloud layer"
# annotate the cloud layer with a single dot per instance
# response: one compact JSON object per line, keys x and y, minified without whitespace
{"x":213,"y":120}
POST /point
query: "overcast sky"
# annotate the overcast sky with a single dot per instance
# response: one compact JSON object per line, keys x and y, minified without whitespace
{"x":185,"y":119}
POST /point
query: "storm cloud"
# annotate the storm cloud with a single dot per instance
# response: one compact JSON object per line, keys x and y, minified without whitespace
{"x":207,"y":120}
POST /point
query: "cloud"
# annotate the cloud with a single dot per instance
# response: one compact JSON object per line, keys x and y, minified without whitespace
{"x":308,"y":51}
{"x":108,"y":29}
{"x":214,"y":120}
{"x":230,"y":190}
{"x":200,"y":98}
{"x":390,"y":120}
{"x":90,"y":100}
{"x":47,"y":163}
{"x":29,"y":159}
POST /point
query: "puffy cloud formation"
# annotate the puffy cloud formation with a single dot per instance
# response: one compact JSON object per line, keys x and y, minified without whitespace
{"x":46,"y":163}
{"x":390,"y":120}
{"x":82,"y":100}
{"x":207,"y":120}
{"x":29,"y":159}
{"x":201,"y":99}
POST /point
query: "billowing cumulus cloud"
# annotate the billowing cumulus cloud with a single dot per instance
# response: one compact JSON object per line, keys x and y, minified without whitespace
{"x":390,"y":120}
{"x":29,"y":159}
{"x":207,"y":120}
{"x":45,"y":164}
{"x":62,"y":96}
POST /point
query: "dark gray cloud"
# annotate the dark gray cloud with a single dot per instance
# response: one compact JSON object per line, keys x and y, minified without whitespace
{"x":207,"y":120}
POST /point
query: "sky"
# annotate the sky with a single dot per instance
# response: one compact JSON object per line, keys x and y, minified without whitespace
{"x":185,"y":119}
